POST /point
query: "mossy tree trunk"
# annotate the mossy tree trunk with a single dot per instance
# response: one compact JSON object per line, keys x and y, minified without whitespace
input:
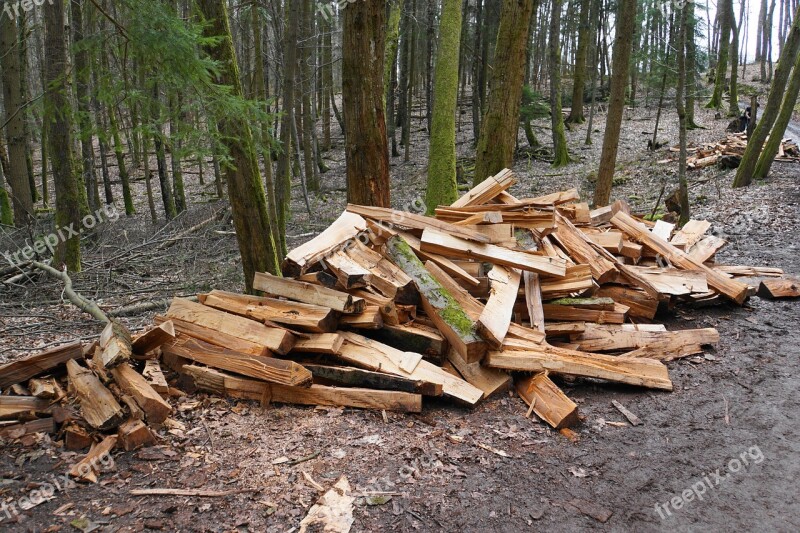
{"x":733,"y":56}
{"x":245,"y":190}
{"x":560,"y":152}
{"x":501,"y":122}
{"x":691,"y":66}
{"x":626,"y":17}
{"x":725,"y":10}
{"x":442,"y":186}
{"x":367,"y":148}
{"x":6,"y":213}
{"x":683,"y":194}
{"x":579,"y":74}
{"x":59,"y":135}
{"x":745,"y":172}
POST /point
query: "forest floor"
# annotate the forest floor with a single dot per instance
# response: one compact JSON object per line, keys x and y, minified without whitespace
{"x":738,"y":402}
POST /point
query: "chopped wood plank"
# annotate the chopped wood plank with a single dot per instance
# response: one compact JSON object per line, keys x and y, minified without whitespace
{"x":641,"y":304}
{"x":98,"y":406}
{"x":705,"y":248}
{"x":609,"y":240}
{"x":154,"y":338}
{"x":732,"y":289}
{"x":779,"y":288}
{"x":224,"y":384}
{"x":558,"y":329}
{"x":155,"y":377}
{"x":548,"y":401}
{"x":533,"y":299}
{"x":582,"y":251}
{"x":413,"y":337}
{"x":487,"y":190}
{"x":442,"y":243}
{"x":494,"y":321}
{"x":115,"y":343}
{"x":294,"y":315}
{"x":631,"y":250}
{"x":371,"y":318}
{"x":134,"y":434}
{"x":156,"y":410}
{"x":632,"y":371}
{"x":45,"y":389}
{"x":739,"y":270}
{"x":350,"y":274}
{"x":40,"y":425}
{"x":570,"y":314}
{"x":219,"y":338}
{"x":307,"y":293}
{"x":13,"y":406}
{"x":24,"y":369}
{"x":489,"y":380}
{"x":690,"y":233}
{"x":277,"y":340}
{"x":324,"y":343}
{"x":357,"y":377}
{"x":672,"y":281}
{"x":578,"y":278}
{"x":265,"y":368}
{"x":321,"y":277}
{"x":343,"y":229}
{"x":384,"y":276}
{"x":390,"y":312}
{"x":450,"y":319}
{"x":87,"y":468}
{"x":414,"y":221}
{"x":578,"y":213}
{"x":609,"y":338}
{"x":601,"y":215}
{"x":484,"y":217}
{"x":365,"y":353}
{"x":662,"y":229}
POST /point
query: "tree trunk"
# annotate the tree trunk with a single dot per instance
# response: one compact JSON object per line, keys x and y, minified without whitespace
{"x":579,"y":72}
{"x":691,"y":66}
{"x":725,"y":10}
{"x":442,"y":185}
{"x":626,"y":18}
{"x":745,"y":172}
{"x":501,"y":122}
{"x":245,"y":190}
{"x":733,"y":108}
{"x":59,"y":135}
{"x":175,"y":153}
{"x":683,"y":189}
{"x":17,"y":175}
{"x":560,"y":153}
{"x":476,"y":73}
{"x":367,"y":149}
{"x":429,"y":64}
{"x":6,"y":213}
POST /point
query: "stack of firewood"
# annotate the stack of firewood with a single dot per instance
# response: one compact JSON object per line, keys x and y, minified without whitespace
{"x":386,"y":307}
{"x":729,"y":151}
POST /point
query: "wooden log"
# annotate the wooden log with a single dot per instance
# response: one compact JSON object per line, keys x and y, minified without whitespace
{"x":578,"y":278}
{"x":24,"y":369}
{"x":414,"y":221}
{"x":343,"y":229}
{"x":673,"y":282}
{"x":224,"y":384}
{"x":372,"y":355}
{"x":13,"y":406}
{"x":387,"y":278}
{"x":115,"y":343}
{"x":609,"y":240}
{"x":324,"y":343}
{"x":371,"y":318}
{"x":349,"y":273}
{"x":548,"y":401}
{"x":133,"y":434}
{"x":156,"y":410}
{"x":705,"y":248}
{"x":662,"y":345}
{"x":413,"y":337}
{"x":483,"y":217}
{"x":98,"y":406}
{"x":356,"y":377}
{"x":155,"y":377}
{"x":570,"y":314}
{"x":487,"y":190}
{"x":533,"y":300}
{"x":690,"y":233}
{"x":391,"y":313}
{"x":87,"y":468}
{"x":439,"y":305}
{"x":732,"y":289}
{"x":640,"y":304}
{"x":154,"y":338}
{"x":307,"y":293}
{"x":264,"y":368}
{"x":582,"y":251}
{"x":293,"y":315}
{"x":76,"y":438}
{"x":39,"y":425}
{"x":45,"y":389}
{"x":490,"y":380}
{"x":447,"y":244}
{"x":779,"y":288}
{"x":276,"y":340}
{"x":495,"y":318}
{"x":598,"y":303}
{"x":216,"y":337}
{"x":632,"y":371}
{"x":321,"y":277}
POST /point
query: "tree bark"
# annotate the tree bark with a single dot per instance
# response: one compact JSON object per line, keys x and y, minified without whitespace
{"x":725,"y":10}
{"x":367,"y":149}
{"x":579,"y":72}
{"x":626,"y":18}
{"x":683,"y":188}
{"x":560,"y":153}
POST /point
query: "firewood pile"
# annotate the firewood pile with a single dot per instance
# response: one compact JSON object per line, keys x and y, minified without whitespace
{"x":729,"y":151}
{"x":386,"y":307}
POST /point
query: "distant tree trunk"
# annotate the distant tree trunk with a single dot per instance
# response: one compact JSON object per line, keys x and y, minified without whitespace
{"x":501,"y":121}
{"x":119,"y":152}
{"x":367,"y":149}
{"x":17,"y":175}
{"x":733,"y":109}
{"x":167,"y":197}
{"x":579,"y":72}
{"x":762,"y":16}
{"x":684,"y":16}
{"x":307,"y":88}
{"x":59,"y":135}
{"x":431,"y":40}
{"x":102,"y":142}
{"x":245,"y":190}
{"x":476,"y":73}
{"x":560,"y":152}
{"x":408,"y":95}
{"x":22,"y":27}
{"x":626,"y":18}
{"x":442,"y":185}
{"x":691,"y":66}
{"x":725,"y":11}
{"x":745,"y":172}
{"x":327,"y":82}
{"x":175,"y":153}
{"x":390,"y":71}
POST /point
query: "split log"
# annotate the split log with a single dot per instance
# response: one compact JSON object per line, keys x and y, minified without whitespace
{"x":350,"y":274}
{"x":345,"y":228}
{"x":371,"y":318}
{"x":14,"y":406}
{"x":87,"y":468}
{"x":98,"y":406}
{"x":356,"y":377}
{"x":487,"y":190}
{"x":582,"y":251}
{"x":495,"y":318}
{"x":40,"y":425}
{"x":639,"y":303}
{"x":154,"y":338}
{"x":324,"y":343}
{"x":24,"y":369}
{"x":548,"y":401}
{"x":218,"y":338}
{"x":533,"y":300}
{"x":664,"y":345}
{"x":490,"y":380}
{"x":307,"y":293}
{"x":115,"y":344}
{"x":386,"y":277}
{"x":156,"y":410}
{"x":413,"y":337}
{"x":414,"y":221}
{"x":45,"y":389}
{"x":779,"y":288}
{"x":155,"y":377}
{"x":133,"y":434}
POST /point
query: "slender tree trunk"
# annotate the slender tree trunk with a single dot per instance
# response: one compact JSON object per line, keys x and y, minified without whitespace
{"x":23,"y":64}
{"x":476,"y":73}
{"x":442,"y":185}
{"x":691,"y":66}
{"x":745,"y":172}
{"x":725,"y":11}
{"x":626,"y":17}
{"x":579,"y":72}
{"x":245,"y":190}
{"x":6,"y":213}
{"x":367,"y":149}
{"x":501,"y":122}
{"x":733,"y":108}
{"x":409,"y":88}
{"x":560,"y":153}
{"x":59,"y":135}
{"x":175,"y":153}
{"x":683,"y":18}
{"x":327,"y":82}
{"x":429,"y":64}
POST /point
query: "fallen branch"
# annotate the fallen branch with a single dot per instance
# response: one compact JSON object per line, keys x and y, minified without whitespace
{"x":189,"y":492}
{"x":79,"y":301}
